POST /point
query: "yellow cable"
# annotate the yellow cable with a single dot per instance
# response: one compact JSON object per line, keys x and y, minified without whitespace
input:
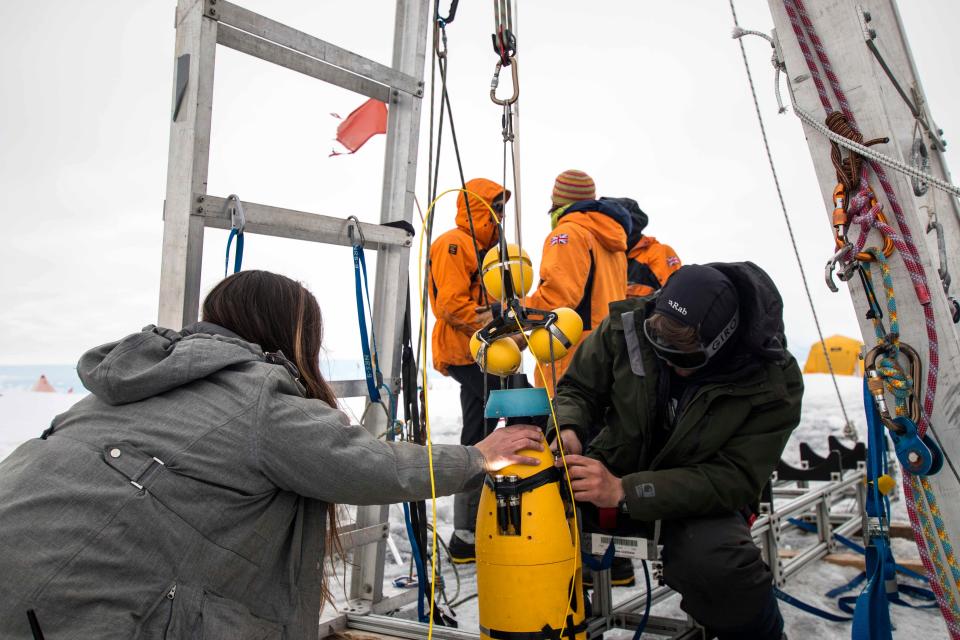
{"x":426,"y":408}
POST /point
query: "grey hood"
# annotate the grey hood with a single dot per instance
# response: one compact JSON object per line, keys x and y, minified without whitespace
{"x":157,"y":360}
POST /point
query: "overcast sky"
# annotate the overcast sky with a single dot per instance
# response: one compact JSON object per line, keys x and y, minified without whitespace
{"x":648,"y":98}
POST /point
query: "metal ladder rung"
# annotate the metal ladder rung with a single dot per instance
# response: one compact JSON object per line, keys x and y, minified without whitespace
{"x":278,"y":33}
{"x":297,"y":225}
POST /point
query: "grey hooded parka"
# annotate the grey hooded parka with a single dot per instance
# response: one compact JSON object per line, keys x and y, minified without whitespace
{"x":186,"y":496}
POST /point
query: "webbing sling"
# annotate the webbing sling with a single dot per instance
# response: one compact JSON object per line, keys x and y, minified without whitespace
{"x":871,"y":618}
{"x":370,"y":365}
{"x":237,"y":223}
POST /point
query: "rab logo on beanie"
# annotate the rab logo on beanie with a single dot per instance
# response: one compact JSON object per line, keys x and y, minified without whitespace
{"x":676,"y":307}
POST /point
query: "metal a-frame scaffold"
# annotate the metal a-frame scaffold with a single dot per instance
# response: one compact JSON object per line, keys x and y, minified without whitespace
{"x":203,"y":24}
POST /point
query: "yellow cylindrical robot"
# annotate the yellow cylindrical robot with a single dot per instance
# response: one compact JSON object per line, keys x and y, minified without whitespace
{"x":528,"y":571}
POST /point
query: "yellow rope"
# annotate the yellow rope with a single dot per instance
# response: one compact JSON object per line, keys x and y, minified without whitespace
{"x":426,"y":413}
{"x":426,"y":406}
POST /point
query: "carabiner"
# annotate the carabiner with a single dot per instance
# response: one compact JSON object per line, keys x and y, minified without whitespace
{"x":831,"y":265}
{"x":875,"y":383}
{"x":354,"y":224}
{"x":234,"y":207}
{"x":495,"y":82}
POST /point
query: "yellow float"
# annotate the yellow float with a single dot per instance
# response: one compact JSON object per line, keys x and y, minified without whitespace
{"x":517,"y":263}
{"x":501,"y":358}
{"x":564,"y":333}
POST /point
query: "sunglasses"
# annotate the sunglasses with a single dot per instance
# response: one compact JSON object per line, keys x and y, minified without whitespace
{"x":689,"y":360}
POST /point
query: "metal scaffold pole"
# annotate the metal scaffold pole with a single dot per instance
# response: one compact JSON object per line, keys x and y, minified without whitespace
{"x":399,"y":182}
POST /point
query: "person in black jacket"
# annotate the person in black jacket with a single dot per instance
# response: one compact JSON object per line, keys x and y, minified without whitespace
{"x":686,"y":401}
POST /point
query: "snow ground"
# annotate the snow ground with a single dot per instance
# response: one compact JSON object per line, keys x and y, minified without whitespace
{"x":24,"y":415}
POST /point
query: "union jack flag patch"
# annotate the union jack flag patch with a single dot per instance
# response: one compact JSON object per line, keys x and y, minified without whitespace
{"x":560,"y":238}
{"x":673,"y":261}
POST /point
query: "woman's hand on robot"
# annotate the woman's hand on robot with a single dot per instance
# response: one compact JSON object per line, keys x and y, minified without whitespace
{"x":500,"y":448}
{"x":571,"y":443}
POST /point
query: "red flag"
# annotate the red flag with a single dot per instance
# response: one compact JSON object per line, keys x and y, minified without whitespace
{"x":366,"y":121}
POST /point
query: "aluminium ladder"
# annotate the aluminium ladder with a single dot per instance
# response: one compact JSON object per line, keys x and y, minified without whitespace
{"x":188,"y":209}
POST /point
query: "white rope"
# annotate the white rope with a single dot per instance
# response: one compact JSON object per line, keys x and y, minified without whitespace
{"x":876,"y":156}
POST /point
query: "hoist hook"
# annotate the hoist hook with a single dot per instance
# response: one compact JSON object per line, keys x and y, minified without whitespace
{"x":495,"y":82}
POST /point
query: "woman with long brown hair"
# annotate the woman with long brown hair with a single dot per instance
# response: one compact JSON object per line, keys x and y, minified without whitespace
{"x":188,"y":495}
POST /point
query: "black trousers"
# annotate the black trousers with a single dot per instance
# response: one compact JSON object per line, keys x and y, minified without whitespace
{"x":715,"y":566}
{"x":475,"y":428}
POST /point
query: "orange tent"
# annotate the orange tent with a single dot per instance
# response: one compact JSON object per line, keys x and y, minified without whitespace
{"x":43,"y":385}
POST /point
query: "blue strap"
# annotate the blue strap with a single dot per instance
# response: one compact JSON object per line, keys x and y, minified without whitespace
{"x":853,"y":546}
{"x":604,"y":563}
{"x":871,"y":616}
{"x":370,"y":365}
{"x":238,"y":257}
{"x":858,"y":580}
{"x":418,"y":561}
{"x":642,"y":625}
{"x":809,"y":608}
{"x":847,"y":603}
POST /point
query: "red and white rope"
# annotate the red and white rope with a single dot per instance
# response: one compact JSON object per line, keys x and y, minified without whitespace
{"x":803,"y":28}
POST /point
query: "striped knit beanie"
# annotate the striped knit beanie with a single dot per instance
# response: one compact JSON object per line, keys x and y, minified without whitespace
{"x":573,"y":186}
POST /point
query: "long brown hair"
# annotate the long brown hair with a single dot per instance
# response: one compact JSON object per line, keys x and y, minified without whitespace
{"x":279,"y":314}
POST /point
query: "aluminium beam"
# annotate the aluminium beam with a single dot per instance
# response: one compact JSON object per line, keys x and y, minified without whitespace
{"x":407,"y":80}
{"x":265,"y":50}
{"x":300,"y":225}
{"x":353,"y":536}
{"x":393,"y":262}
{"x":187,"y":163}
{"x":381,"y":625}
{"x":353,"y":388}
{"x":880,"y":111}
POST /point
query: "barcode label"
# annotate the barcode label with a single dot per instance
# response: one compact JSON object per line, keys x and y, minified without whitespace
{"x":639,"y":548}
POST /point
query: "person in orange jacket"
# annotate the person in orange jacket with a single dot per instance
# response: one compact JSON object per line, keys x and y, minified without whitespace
{"x":649,"y":263}
{"x":584,"y":264}
{"x":457,"y":297}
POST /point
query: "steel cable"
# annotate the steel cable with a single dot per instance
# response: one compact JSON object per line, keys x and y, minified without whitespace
{"x":849,"y":431}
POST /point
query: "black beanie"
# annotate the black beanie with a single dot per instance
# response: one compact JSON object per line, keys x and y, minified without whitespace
{"x":639,"y":218}
{"x":701,"y":297}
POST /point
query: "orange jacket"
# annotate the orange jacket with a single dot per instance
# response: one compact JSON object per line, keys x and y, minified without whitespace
{"x":455,"y":291}
{"x":649,"y":266}
{"x":584,"y":267}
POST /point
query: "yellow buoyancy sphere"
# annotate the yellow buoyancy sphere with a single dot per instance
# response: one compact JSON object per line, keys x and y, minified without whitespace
{"x":521,"y":271}
{"x":569,"y":324}
{"x":501,"y":358}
